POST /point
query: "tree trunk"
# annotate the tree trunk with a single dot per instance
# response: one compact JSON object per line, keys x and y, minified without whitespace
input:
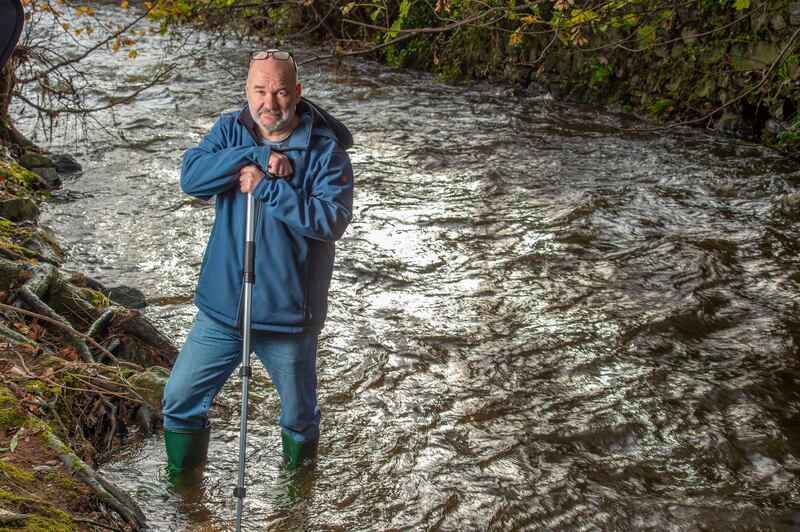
{"x":9,"y":134}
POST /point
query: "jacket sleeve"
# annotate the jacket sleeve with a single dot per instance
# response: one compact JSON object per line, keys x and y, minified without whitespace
{"x":213,"y":165}
{"x":322,"y":215}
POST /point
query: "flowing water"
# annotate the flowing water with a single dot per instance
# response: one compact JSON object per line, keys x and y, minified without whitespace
{"x":539,"y":318}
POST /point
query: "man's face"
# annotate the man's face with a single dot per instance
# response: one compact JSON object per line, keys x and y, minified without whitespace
{"x":272,"y":94}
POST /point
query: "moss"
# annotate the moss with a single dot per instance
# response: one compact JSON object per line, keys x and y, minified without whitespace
{"x":46,"y":517}
{"x":43,"y":524}
{"x":7,"y":228}
{"x":37,"y":386}
{"x":18,"y":476}
{"x":6,"y":397}
{"x":17,"y":181}
{"x":19,"y":250}
{"x":71,"y":485}
{"x":11,"y":418}
{"x":95,"y":297}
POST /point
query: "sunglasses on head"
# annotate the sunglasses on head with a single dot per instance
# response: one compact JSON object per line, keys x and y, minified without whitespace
{"x":278,"y":55}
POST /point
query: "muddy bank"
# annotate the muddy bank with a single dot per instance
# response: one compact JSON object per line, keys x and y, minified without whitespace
{"x":82,"y":373}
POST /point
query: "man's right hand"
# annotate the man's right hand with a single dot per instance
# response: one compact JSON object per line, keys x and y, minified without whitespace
{"x":279,"y":165}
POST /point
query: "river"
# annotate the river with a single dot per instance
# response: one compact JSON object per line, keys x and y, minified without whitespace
{"x":540,"y":318}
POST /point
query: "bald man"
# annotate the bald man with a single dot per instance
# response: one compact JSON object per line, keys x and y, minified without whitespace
{"x":291,"y":155}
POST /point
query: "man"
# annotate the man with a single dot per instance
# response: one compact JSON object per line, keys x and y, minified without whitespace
{"x":291,"y":156}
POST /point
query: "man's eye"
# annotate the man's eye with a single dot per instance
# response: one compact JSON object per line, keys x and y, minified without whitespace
{"x":282,"y":93}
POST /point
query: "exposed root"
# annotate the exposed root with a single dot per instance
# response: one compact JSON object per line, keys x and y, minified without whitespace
{"x":100,"y":322}
{"x":106,"y":492}
{"x":27,"y":295}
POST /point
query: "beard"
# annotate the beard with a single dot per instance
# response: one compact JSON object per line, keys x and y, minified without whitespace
{"x":282,"y":119}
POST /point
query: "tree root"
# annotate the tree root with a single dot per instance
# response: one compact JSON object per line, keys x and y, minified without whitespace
{"x":100,"y":322}
{"x":27,"y":295}
{"x":15,"y":336}
{"x":106,"y":492}
{"x":133,"y":323}
{"x":41,"y":279}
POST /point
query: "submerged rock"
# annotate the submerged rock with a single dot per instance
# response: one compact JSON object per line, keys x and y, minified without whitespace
{"x":49,"y":175}
{"x":126,"y":296}
{"x":66,"y":164}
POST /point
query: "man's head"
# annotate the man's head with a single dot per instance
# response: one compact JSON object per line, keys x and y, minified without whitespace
{"x":272,"y":93}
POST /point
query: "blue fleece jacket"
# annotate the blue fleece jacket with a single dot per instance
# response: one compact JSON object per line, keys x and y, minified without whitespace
{"x":298,"y":220}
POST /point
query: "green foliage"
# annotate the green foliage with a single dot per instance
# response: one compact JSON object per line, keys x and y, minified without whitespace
{"x":659,"y":108}
{"x":789,"y":139}
{"x":600,"y":74}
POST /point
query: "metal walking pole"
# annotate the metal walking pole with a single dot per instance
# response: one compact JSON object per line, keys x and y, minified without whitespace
{"x":249,"y":260}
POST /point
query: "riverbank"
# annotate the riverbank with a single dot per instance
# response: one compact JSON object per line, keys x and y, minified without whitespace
{"x":729,"y":66}
{"x":81,"y":375}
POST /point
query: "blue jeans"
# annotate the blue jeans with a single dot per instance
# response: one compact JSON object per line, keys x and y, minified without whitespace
{"x":213,"y":351}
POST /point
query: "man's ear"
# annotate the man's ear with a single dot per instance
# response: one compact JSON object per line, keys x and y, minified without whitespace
{"x":297,"y":90}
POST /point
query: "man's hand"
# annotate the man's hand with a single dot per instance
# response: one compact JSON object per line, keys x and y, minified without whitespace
{"x":279,"y":165}
{"x":249,"y":175}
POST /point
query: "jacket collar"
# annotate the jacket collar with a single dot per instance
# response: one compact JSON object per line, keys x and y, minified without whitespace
{"x":299,"y":138}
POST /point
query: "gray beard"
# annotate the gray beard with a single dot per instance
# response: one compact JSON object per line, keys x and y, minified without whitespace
{"x":284,"y":121}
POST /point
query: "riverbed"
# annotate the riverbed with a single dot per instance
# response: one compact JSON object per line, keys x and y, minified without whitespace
{"x":543,"y":315}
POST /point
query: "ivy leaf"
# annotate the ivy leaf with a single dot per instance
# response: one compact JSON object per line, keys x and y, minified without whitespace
{"x":741,"y":5}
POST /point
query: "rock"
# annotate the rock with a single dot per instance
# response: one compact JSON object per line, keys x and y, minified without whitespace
{"x":10,"y":273}
{"x":755,"y":56}
{"x":789,"y":205}
{"x":689,"y":35}
{"x":41,"y":471}
{"x":49,"y":175}
{"x":774,"y":127}
{"x":66,"y":164}
{"x":43,"y":242}
{"x":733,"y":124}
{"x":794,"y":13}
{"x":144,"y":416}
{"x":18,"y":209}
{"x":126,"y":296}
{"x":150,"y":385}
{"x":33,"y":160}
{"x":777,"y":22}
{"x":758,"y":20}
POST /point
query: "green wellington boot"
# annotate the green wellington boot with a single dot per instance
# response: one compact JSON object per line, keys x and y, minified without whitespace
{"x":296,"y":453}
{"x":186,"y":453}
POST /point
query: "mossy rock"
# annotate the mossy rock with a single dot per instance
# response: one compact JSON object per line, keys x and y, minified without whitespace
{"x":150,"y":385}
{"x":19,"y":181}
{"x":36,"y":160}
{"x":43,"y":242}
{"x":19,"y":209}
{"x":10,"y":274}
